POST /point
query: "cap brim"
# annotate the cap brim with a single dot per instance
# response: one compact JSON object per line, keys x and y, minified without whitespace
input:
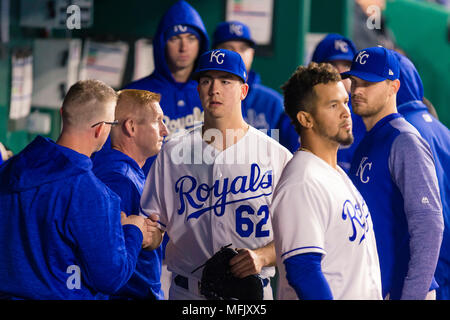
{"x":345,"y":57}
{"x":196,"y":75}
{"x":251,"y":43}
{"x":362,"y":75}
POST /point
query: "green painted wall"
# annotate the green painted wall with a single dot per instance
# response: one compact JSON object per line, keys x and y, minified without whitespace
{"x":421,"y":30}
{"x":133,"y":19}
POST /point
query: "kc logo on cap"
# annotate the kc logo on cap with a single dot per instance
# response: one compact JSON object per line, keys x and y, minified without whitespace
{"x":216,"y":54}
{"x":374,"y":65}
{"x":361,"y":57}
{"x":221,"y":60}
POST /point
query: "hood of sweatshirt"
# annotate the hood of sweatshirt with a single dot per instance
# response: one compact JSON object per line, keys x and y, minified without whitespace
{"x":42,"y":161}
{"x":180,"y":13}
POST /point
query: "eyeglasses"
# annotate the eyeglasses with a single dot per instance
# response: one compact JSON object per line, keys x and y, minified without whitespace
{"x":112,"y":123}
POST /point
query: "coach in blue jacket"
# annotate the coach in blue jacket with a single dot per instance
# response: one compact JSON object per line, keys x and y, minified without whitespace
{"x":410,"y":105}
{"x":179,"y":40}
{"x":138,"y":135}
{"x":61,"y":233}
{"x":393,"y":168}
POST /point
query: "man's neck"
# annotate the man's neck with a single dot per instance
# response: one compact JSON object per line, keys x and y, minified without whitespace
{"x":76,"y":142}
{"x":232,"y":130}
{"x":130,"y":151}
{"x":322,"y":148}
{"x":181,"y":75}
{"x":370,"y":122}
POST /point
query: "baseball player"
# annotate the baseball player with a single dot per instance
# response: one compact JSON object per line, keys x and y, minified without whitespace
{"x":339,"y":52}
{"x":323,"y":231}
{"x":263,"y":106}
{"x":393,"y":168}
{"x":410,"y":105}
{"x":218,"y":183}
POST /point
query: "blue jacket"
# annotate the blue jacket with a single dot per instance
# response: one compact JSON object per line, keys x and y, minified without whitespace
{"x":393,"y":170}
{"x":124,"y":176}
{"x":410,"y":105}
{"x":60,"y":231}
{"x":263,"y":109}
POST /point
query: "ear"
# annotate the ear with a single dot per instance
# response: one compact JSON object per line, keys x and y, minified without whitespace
{"x":98,"y":130}
{"x":244,"y":90}
{"x":305,"y":119}
{"x":395,"y":85}
{"x":129,"y":127}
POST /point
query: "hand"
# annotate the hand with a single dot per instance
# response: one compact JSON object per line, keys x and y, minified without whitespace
{"x":246,"y":263}
{"x":135,"y":220}
{"x":153,"y":237}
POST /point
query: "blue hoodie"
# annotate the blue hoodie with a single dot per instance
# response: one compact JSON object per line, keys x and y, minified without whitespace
{"x":180,"y":102}
{"x":60,"y":231}
{"x":124,"y":176}
{"x":410,"y":105}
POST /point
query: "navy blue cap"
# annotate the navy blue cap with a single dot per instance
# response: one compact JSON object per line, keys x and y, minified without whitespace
{"x":334,"y":47}
{"x":232,"y":30}
{"x":221,"y":60}
{"x":374,"y":65}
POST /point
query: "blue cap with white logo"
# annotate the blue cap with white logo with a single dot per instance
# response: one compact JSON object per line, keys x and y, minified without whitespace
{"x":232,"y":30}
{"x":374,"y":65}
{"x":334,"y":47}
{"x":221,"y":60}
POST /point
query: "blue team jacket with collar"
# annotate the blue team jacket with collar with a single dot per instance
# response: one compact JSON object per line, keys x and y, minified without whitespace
{"x":60,"y":231}
{"x":410,"y":105}
{"x":373,"y":181}
{"x":124,"y":176}
{"x":372,"y":176}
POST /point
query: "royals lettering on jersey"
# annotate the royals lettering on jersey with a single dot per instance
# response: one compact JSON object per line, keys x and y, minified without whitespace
{"x":196,"y":195}
{"x":358,"y":216}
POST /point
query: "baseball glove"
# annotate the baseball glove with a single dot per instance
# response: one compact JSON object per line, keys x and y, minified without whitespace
{"x":218,"y":283}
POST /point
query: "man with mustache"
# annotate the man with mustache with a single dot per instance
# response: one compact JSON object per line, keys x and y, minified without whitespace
{"x":393,"y":168}
{"x":218,"y":184}
{"x":323,"y":231}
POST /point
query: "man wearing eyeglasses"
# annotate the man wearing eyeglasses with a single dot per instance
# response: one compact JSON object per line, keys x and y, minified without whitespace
{"x":139,"y":135}
{"x":62,"y":235}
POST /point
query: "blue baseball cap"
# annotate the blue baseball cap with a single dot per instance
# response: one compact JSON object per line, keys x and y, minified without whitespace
{"x":374,"y":65}
{"x":232,"y":30}
{"x":221,"y":60}
{"x":334,"y":47}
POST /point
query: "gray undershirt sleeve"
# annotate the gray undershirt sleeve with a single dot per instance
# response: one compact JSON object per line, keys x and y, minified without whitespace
{"x":412,"y":169}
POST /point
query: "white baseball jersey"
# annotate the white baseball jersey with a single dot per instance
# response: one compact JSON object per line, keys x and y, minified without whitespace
{"x":207,"y":198}
{"x":318,"y":209}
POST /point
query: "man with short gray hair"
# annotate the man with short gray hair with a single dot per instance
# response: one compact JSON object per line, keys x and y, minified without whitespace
{"x":62,"y":235}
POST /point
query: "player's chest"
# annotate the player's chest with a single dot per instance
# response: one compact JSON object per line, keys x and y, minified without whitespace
{"x":215,"y":189}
